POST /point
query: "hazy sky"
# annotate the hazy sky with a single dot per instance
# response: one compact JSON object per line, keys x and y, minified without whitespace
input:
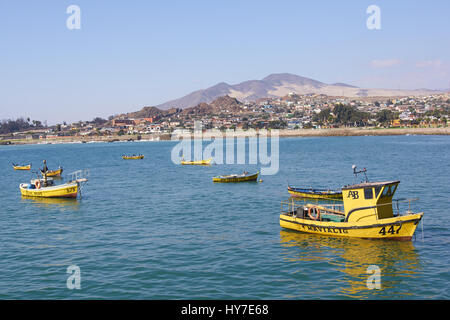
{"x":130,"y":54}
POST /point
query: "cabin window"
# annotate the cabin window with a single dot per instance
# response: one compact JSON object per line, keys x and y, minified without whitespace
{"x":368,"y":193}
{"x":377,"y":191}
{"x":387,"y":191}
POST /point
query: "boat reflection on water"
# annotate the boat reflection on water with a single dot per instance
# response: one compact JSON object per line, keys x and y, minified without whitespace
{"x":48,"y":203}
{"x":397,"y":262}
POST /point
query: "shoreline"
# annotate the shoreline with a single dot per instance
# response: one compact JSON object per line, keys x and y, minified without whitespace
{"x":335,"y":132}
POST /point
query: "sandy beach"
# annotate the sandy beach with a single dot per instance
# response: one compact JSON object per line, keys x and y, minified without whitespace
{"x":364,"y":132}
{"x":338,"y":132}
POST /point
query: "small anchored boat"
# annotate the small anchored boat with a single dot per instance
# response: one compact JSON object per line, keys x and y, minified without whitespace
{"x":19,"y":167}
{"x":54,"y":173}
{"x":367,"y":212}
{"x":133,"y":157}
{"x":315,"y":193}
{"x":205,"y":162}
{"x":244,"y":177}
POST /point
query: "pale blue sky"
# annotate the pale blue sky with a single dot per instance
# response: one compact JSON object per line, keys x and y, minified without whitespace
{"x":129,"y":54}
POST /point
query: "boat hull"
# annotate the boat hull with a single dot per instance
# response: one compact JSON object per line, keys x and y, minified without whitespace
{"x":306,"y":193}
{"x":132,"y":158}
{"x":400,"y":228}
{"x":230,"y":179}
{"x":68,"y":190}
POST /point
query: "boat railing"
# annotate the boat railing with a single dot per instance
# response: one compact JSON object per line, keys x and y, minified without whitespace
{"x":404,"y":200}
{"x":79,"y":176}
{"x":396,"y":204}
{"x":291,"y":206}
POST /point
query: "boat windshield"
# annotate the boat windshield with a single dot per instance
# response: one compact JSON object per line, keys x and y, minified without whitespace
{"x":388,"y":191}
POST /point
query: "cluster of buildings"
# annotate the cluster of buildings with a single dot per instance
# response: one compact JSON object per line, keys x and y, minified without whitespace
{"x":290,"y":112}
{"x":300,"y":111}
{"x":296,"y":112}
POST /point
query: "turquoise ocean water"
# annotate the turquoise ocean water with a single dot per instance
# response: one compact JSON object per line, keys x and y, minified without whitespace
{"x":151,"y":229}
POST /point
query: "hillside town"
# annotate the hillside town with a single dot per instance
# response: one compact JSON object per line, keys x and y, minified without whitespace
{"x":291,"y":112}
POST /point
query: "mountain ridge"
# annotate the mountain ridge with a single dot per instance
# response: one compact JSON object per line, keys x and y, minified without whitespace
{"x":279,"y":85}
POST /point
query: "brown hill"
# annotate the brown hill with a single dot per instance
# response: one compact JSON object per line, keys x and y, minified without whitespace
{"x":221,"y":104}
{"x":150,"y":112}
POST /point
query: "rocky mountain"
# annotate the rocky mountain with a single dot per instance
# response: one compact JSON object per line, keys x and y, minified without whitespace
{"x":279,"y":85}
{"x":149,"y":112}
{"x":221,"y":104}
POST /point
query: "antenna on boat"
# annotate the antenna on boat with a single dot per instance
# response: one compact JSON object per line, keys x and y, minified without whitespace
{"x":364,"y":170}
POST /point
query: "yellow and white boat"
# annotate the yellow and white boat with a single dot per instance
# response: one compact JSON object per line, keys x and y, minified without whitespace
{"x":70,"y":189}
{"x":66,"y":190}
{"x":17,"y":167}
{"x":205,"y":162}
{"x":366,"y":212}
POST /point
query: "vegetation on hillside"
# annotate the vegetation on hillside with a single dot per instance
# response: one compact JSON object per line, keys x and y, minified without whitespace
{"x":20,"y":124}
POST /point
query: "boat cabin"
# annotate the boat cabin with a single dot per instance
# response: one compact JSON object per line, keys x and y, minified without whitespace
{"x":369,"y":201}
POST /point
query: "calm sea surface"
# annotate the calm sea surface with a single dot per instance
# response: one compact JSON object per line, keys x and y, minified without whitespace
{"x":150,"y":229}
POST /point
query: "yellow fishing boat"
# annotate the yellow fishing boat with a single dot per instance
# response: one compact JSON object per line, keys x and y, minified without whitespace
{"x":315,"y":193}
{"x":17,"y":167}
{"x":366,"y":212}
{"x":37,"y":188}
{"x":205,"y":162}
{"x":66,"y":190}
{"x":244,"y":177}
{"x":54,"y":173}
{"x":133,"y":157}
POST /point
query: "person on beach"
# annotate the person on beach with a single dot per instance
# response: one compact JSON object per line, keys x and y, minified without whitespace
{"x":44,"y":172}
